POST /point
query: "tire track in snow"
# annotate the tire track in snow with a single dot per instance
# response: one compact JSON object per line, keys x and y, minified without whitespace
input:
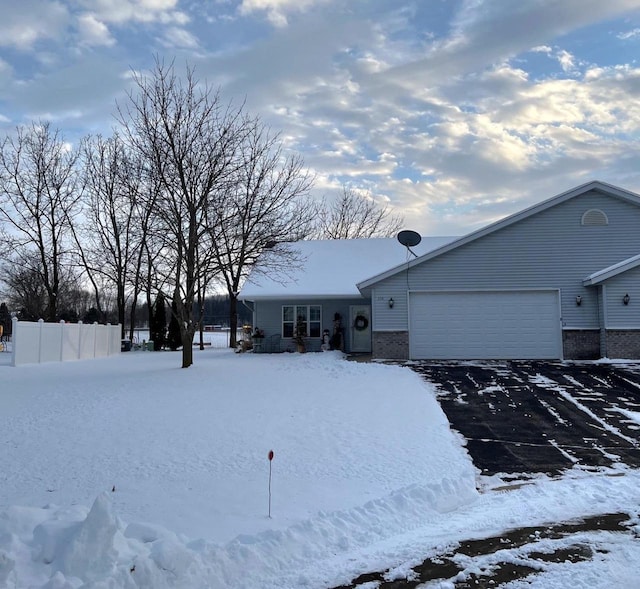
{"x":557,"y":387}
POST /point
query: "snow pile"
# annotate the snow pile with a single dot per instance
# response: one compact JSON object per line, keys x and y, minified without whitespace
{"x":178,"y":462}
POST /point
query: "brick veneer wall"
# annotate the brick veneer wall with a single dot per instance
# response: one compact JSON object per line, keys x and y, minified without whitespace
{"x":623,"y":343}
{"x":577,"y":344}
{"x":392,"y":345}
{"x":581,"y":344}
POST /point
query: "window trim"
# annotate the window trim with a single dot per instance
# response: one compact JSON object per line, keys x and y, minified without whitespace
{"x":597,"y":215}
{"x":309,"y":321}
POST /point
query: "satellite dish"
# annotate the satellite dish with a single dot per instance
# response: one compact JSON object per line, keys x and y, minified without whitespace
{"x":409,"y":238}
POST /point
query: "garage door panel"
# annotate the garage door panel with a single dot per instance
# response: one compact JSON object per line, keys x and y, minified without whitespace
{"x":485,"y":325}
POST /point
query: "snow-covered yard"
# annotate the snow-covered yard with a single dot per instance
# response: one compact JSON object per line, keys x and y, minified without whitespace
{"x":131,"y":472}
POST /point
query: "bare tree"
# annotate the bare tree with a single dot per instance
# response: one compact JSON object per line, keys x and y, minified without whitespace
{"x":187,"y":141}
{"x":105,"y":239}
{"x":25,"y":291}
{"x":264,"y":204}
{"x":112,"y":239}
{"x":356,"y":215}
{"x":38,"y":202}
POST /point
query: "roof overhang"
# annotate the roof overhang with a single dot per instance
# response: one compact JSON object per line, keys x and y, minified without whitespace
{"x":611,"y":271}
{"x":306,"y":297}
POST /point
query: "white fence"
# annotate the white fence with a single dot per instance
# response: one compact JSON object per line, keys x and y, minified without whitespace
{"x":37,"y":342}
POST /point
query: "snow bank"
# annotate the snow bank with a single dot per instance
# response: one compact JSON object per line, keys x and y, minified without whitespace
{"x":60,"y":552}
{"x":174,"y":464}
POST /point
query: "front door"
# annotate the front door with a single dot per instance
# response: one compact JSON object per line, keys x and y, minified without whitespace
{"x":360,"y":327}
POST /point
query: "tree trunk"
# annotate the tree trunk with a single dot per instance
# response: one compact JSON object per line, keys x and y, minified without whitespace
{"x":52,"y":313}
{"x":200,"y":321}
{"x":187,"y":345}
{"x":132,"y":314}
{"x":121,"y":309}
{"x":233,"y":320}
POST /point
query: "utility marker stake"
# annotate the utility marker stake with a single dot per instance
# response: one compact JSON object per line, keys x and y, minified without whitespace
{"x":270,"y":460}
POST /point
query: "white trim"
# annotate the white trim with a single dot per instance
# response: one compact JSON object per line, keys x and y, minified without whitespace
{"x":611,"y":271}
{"x":309,"y":321}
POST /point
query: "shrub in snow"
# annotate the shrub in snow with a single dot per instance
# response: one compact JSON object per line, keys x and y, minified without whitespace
{"x":158,"y":323}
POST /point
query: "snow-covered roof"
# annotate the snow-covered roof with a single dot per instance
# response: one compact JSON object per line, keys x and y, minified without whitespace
{"x":332,"y":268}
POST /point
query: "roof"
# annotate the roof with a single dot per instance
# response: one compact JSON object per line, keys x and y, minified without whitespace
{"x":331,"y":268}
{"x":611,"y":271}
{"x":528,"y":212}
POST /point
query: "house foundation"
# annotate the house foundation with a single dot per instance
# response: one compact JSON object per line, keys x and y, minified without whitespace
{"x":581,"y":344}
{"x":391,"y":345}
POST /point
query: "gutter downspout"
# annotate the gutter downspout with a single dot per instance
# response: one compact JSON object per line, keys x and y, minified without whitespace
{"x":602,"y":319}
{"x":251,"y":308}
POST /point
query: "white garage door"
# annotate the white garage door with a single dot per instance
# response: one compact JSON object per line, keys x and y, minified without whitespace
{"x":485,"y":325}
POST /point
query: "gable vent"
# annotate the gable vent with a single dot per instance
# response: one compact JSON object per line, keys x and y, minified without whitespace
{"x":595,"y":217}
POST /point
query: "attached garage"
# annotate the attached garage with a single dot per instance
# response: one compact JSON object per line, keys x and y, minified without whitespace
{"x":506,"y":324}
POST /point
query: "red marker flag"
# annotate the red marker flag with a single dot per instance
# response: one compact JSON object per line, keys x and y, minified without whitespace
{"x":270,"y":456}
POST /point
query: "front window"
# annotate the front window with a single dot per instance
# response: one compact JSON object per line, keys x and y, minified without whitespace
{"x":308,"y":318}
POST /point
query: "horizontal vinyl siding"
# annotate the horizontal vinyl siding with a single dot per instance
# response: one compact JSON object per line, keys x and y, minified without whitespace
{"x":268,"y":315}
{"x":384,"y":318}
{"x":620,"y":316}
{"x":548,"y":250}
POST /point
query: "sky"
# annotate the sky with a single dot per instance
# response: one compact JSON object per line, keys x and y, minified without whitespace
{"x":454,"y":113}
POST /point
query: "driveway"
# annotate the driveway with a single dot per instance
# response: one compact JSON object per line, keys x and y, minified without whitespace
{"x":533,"y":417}
{"x":521,"y":418}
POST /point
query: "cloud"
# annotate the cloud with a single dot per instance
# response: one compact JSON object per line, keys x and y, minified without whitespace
{"x":632,"y":34}
{"x":178,"y":37}
{"x":78,"y":97}
{"x":454,"y":113}
{"x":25,"y":23}
{"x":277,"y":10}
{"x":124,"y":11}
{"x":94,"y":32}
{"x":489,"y":31}
{"x":566,"y":60}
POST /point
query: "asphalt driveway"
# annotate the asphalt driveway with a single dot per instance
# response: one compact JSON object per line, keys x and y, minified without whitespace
{"x":532,"y":417}
{"x":521,"y":418}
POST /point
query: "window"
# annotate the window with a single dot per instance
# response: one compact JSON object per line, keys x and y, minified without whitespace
{"x":595,"y":217}
{"x":310,"y":316}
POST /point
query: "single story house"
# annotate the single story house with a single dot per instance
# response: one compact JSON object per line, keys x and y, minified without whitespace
{"x":558,"y":280}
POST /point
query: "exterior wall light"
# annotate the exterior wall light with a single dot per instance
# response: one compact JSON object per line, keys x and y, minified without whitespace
{"x":626,"y":299}
{"x":578,"y":300}
{"x":391,"y":303}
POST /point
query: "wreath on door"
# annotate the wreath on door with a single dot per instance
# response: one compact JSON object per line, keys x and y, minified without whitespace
{"x":361,"y":323}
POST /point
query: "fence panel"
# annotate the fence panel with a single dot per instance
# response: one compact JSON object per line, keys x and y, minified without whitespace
{"x":50,"y":342}
{"x":88,"y":341}
{"x":29,"y":351}
{"x":38,"y":342}
{"x":71,"y":341}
